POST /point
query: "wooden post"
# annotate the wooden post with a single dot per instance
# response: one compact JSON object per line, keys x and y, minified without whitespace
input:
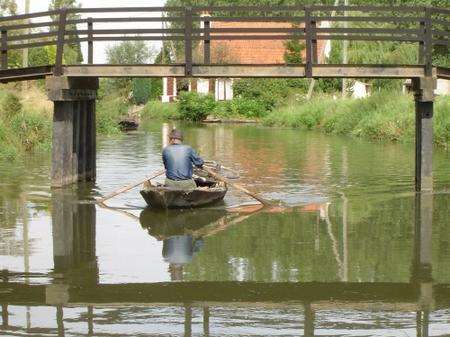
{"x":90,"y":25}
{"x":5,"y":316}
{"x":188,"y":41}
{"x":73,"y":153}
{"x":314,"y":56}
{"x":207,"y":44}
{"x":91,"y":152}
{"x":308,"y":43}
{"x":4,"y":49}
{"x":424,"y":96}
{"x":428,"y":43}
{"x":60,"y":42}
{"x":309,"y":320}
{"x":90,"y":317}
{"x":187,"y":320}
{"x":60,"y":320}
{"x":206,"y":321}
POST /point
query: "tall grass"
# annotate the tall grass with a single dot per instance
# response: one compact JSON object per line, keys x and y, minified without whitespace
{"x":160,"y":111}
{"x":383,"y":116}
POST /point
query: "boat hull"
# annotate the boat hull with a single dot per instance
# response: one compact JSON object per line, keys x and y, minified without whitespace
{"x":164,"y":197}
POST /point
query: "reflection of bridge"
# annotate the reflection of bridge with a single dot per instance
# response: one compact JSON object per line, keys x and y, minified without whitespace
{"x":75,"y":282}
{"x":73,"y":87}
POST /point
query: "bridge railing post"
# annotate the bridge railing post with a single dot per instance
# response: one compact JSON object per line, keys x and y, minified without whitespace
{"x":60,"y":42}
{"x":188,"y":41}
{"x":308,"y":42}
{"x":207,"y":43}
{"x":4,"y":49}
{"x":428,"y":43}
{"x":90,"y":27}
{"x":421,"y":54}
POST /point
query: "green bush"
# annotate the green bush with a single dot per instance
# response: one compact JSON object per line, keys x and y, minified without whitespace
{"x":109,"y":112}
{"x":160,"y":110}
{"x":32,"y":128}
{"x":195,"y":107}
{"x":250,"y":108}
{"x":11,"y":106}
{"x":442,"y":121}
{"x":141,"y":88}
{"x":270,"y":92}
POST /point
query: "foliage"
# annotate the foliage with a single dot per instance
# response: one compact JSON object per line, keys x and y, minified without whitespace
{"x":161,"y":111}
{"x":42,"y":56}
{"x":246,"y":107}
{"x":8,"y":7}
{"x":383,"y":116}
{"x":141,"y":88}
{"x":128,"y":52}
{"x":11,"y":106}
{"x":195,"y":107}
{"x":294,"y":50}
{"x":110,"y":109}
{"x":267,"y":91}
{"x":72,"y":51}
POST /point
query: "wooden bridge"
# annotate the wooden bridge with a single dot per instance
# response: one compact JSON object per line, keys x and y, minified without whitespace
{"x":73,"y":87}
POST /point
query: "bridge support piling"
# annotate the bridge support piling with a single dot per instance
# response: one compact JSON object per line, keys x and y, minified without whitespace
{"x":73,"y":144}
{"x":424,"y":97}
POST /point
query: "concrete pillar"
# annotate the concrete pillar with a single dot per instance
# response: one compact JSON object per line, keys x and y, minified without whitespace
{"x":73,"y":144}
{"x":424,"y":97}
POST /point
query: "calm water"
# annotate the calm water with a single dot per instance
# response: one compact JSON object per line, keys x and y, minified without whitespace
{"x":355,"y":253}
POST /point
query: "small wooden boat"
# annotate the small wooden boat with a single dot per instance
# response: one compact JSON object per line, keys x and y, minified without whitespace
{"x":207,"y":192}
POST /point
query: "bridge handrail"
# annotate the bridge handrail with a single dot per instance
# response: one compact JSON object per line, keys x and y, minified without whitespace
{"x":427,"y":26}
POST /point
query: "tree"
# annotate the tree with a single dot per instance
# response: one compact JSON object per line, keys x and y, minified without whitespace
{"x":130,"y":52}
{"x":8,"y":7}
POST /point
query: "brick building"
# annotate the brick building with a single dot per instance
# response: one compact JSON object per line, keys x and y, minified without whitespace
{"x":237,"y":52}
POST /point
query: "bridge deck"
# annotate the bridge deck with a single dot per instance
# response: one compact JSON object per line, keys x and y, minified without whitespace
{"x":221,"y":70}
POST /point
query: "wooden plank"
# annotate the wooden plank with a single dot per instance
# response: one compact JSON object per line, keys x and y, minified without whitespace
{"x":247,"y":70}
{"x":124,"y":71}
{"x":362,"y":71}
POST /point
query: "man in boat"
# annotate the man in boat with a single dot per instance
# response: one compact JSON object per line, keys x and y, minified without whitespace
{"x":179,"y":160}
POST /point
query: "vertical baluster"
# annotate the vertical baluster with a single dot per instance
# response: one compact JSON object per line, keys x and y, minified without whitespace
{"x":90,"y":26}
{"x":4,"y":49}
{"x":207,"y":43}
{"x":60,"y":42}
{"x":428,"y":43}
{"x":308,"y":37}
{"x":188,"y":41}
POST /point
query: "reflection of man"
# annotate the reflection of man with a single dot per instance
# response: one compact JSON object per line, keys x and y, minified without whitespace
{"x":178,"y":250}
{"x":178,"y":160}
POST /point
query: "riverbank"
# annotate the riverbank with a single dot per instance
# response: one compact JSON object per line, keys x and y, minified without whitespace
{"x":26,"y":116}
{"x":26,"y":119}
{"x":384,"y":116}
{"x":381,"y":117}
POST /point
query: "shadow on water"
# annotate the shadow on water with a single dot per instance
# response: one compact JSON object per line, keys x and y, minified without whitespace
{"x":81,"y":302}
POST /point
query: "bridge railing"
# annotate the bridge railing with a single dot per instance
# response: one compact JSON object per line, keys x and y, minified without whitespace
{"x":192,"y":27}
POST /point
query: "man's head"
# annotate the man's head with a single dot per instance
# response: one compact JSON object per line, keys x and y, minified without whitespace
{"x":175,"y":136}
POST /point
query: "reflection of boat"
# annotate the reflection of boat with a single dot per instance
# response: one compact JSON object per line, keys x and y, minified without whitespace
{"x":180,"y":232}
{"x":208,"y":191}
{"x":163,"y":224}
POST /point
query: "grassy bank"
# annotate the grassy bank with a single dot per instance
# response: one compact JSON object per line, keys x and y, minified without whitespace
{"x":383,"y":116}
{"x":26,"y":119}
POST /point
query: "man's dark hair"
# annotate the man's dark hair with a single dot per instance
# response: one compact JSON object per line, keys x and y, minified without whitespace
{"x":176,"y":134}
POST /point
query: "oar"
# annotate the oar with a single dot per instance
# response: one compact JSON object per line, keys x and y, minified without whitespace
{"x":129,"y":187}
{"x":237,"y":186}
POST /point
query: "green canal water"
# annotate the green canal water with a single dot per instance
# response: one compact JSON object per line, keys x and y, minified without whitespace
{"x":355,"y":253}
